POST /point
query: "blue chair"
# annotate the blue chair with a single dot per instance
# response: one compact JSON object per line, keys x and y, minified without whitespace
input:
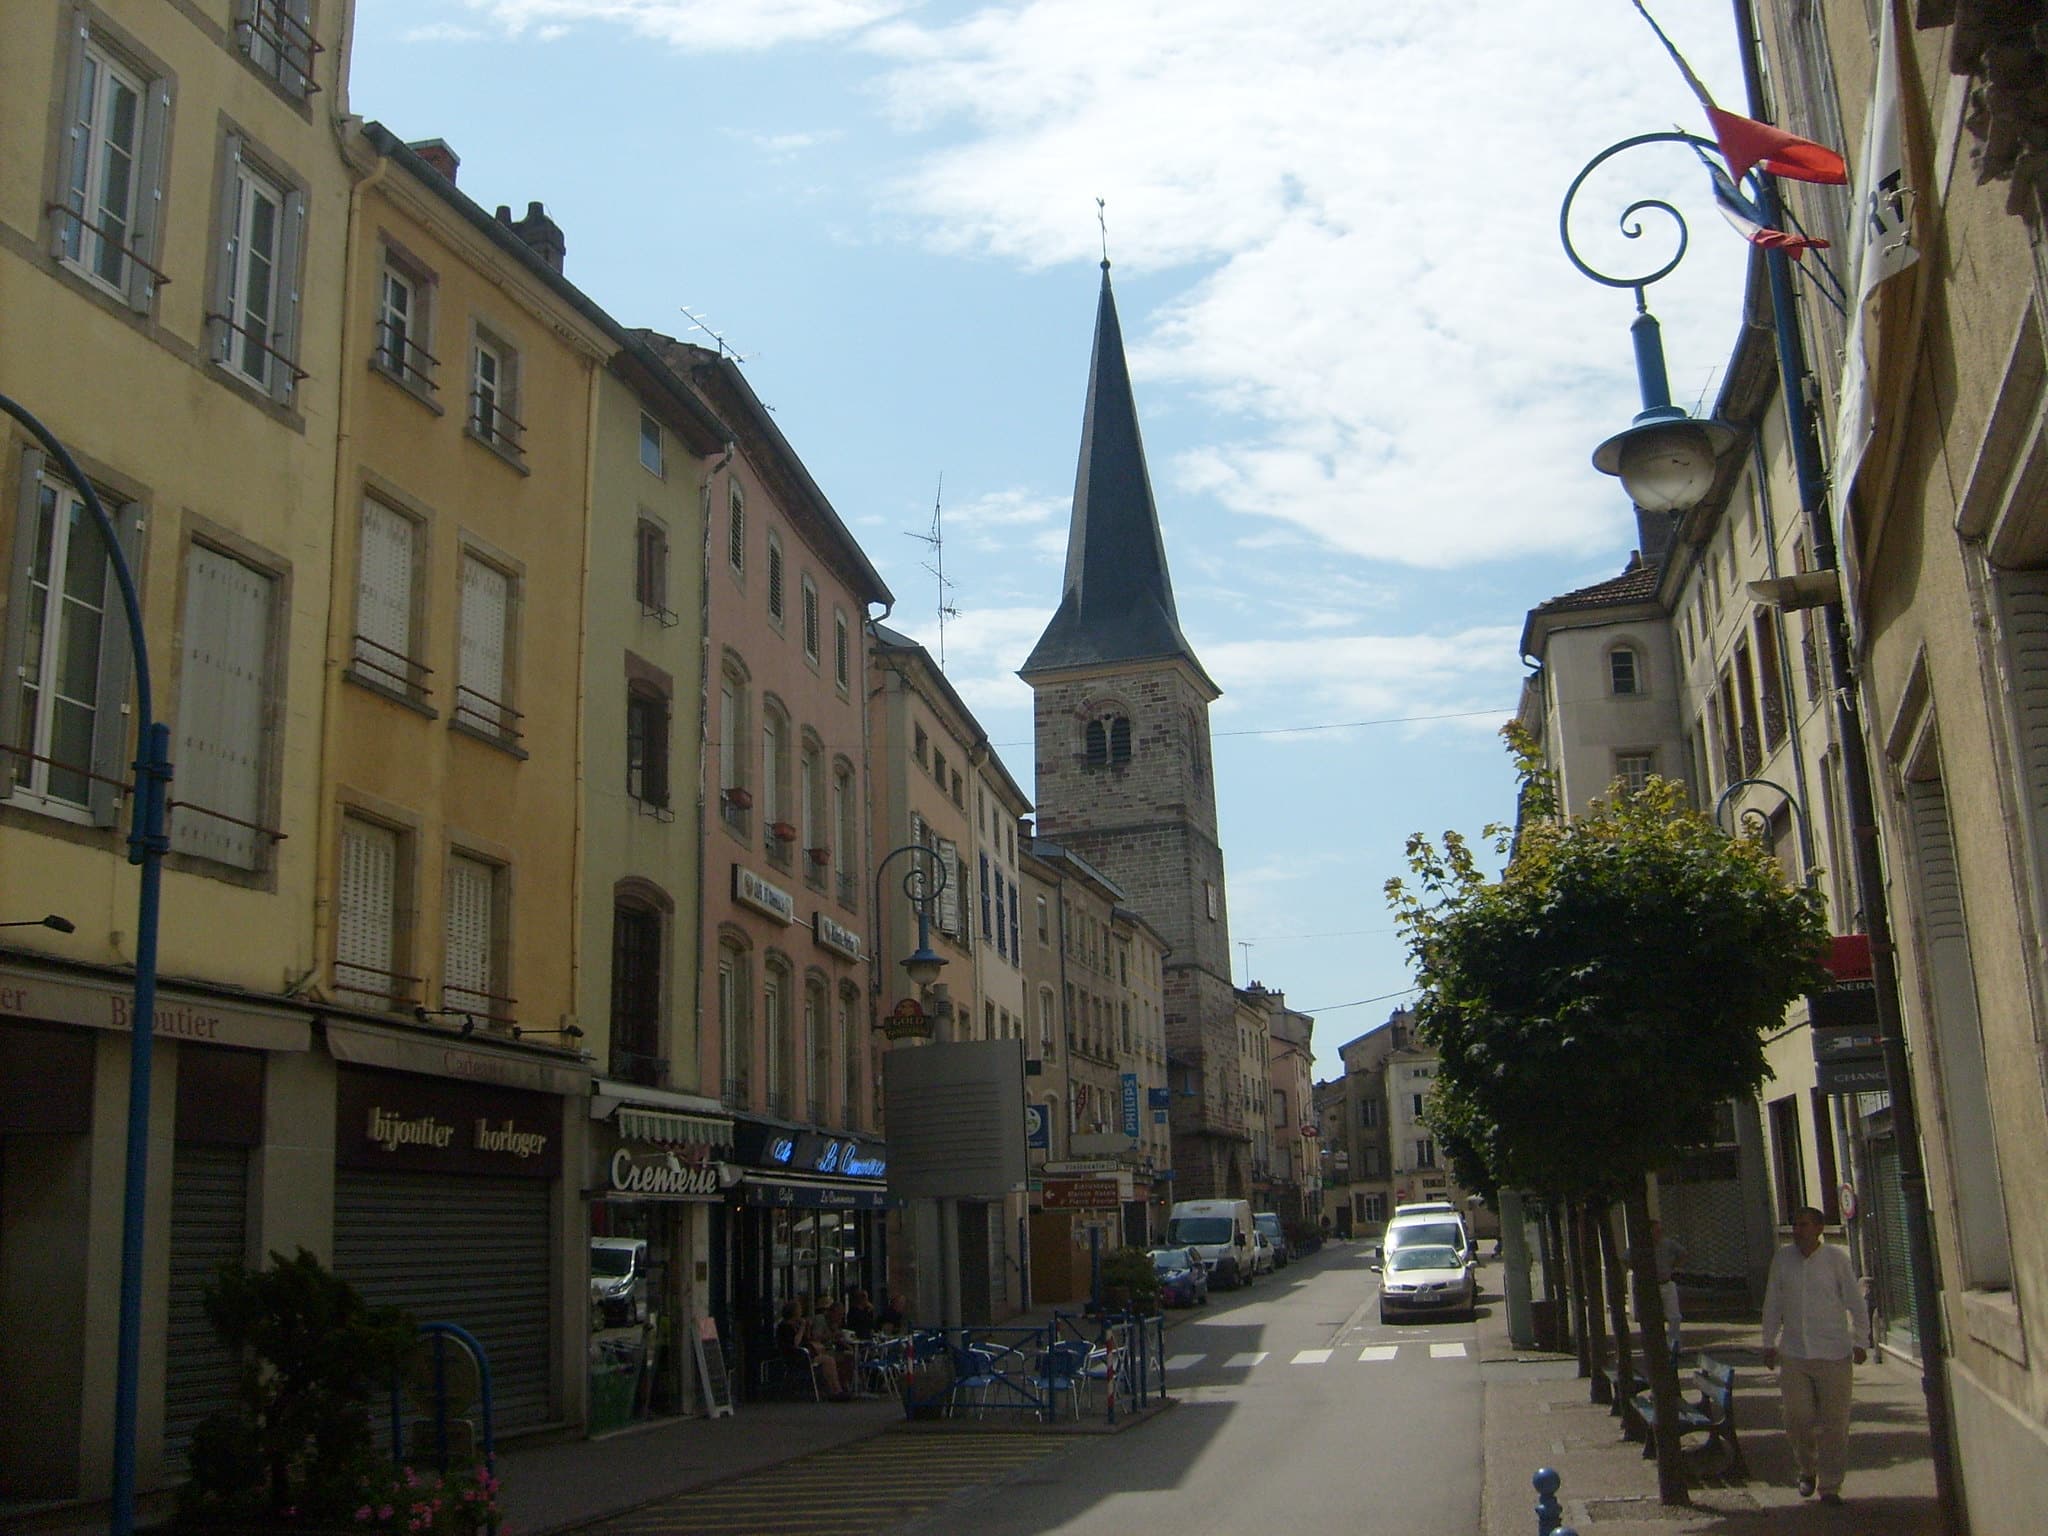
{"x":973,"y":1371}
{"x":1062,"y":1369}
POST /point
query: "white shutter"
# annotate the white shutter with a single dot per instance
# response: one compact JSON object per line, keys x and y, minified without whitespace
{"x":486,"y":594}
{"x":466,"y":967}
{"x":364,"y":951}
{"x":771,"y":767}
{"x":384,"y":593}
{"x":221,"y":697}
{"x":949,"y":898}
{"x":2023,"y":611}
{"x":728,"y":730}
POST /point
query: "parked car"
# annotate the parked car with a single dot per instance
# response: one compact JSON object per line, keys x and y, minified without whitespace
{"x":618,"y":1282}
{"x":1263,"y":1262}
{"x":1425,"y":1229}
{"x":1268,"y":1222}
{"x":1428,"y":1279}
{"x":1219,"y":1230}
{"x":1183,"y":1277}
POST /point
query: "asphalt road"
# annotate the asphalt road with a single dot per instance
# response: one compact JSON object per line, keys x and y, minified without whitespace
{"x":1299,"y":1414}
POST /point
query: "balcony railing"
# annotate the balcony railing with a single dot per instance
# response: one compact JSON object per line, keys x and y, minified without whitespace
{"x":405,"y":359}
{"x":848,"y":889}
{"x":642,"y":1067}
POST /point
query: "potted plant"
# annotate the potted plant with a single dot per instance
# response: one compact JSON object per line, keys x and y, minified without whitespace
{"x":738,"y":798}
{"x":782,"y":831}
{"x":819,"y":856}
{"x":1129,"y":1282}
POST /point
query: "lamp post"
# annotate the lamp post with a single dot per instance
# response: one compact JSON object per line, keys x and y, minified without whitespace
{"x":1750,"y":813}
{"x":922,"y":883}
{"x":1653,"y":472}
{"x":146,"y":848}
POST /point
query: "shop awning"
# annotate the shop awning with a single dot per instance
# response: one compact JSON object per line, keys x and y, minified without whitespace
{"x":672,"y":1129}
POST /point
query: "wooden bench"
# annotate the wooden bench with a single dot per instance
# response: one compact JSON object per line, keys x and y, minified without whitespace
{"x":1706,"y":1407}
{"x":1621,"y":1396}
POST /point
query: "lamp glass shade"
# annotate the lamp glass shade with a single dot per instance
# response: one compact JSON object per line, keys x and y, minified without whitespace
{"x":922,"y":966}
{"x":1668,"y":468}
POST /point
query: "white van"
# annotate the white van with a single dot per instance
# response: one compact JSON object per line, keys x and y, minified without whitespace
{"x":1220,"y":1231}
{"x":1443,"y":1228}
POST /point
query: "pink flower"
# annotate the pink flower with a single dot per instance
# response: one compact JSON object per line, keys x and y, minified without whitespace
{"x":384,"y":1513}
{"x":363,"y":1513}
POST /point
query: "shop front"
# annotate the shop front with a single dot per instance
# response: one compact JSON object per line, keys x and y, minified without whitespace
{"x":803,"y":1221}
{"x":449,"y":1201}
{"x":656,"y":1180}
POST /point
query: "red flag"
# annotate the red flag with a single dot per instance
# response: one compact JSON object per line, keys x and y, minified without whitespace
{"x":1748,"y":219}
{"x":1745,"y":142}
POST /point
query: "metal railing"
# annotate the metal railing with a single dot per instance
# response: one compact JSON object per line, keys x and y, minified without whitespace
{"x":405,"y":359}
{"x":642,"y":1067}
{"x":396,"y":670}
{"x":487,"y":716}
{"x":1072,"y":1367}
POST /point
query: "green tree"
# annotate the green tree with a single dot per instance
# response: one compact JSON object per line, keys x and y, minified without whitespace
{"x":1595,"y":1003}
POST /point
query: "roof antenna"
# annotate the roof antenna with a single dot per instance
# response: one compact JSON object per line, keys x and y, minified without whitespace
{"x":936,"y":542}
{"x":699,"y":323}
{"x":1102,"y":220}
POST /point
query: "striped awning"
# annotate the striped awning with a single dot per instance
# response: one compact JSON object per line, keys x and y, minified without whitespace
{"x":673,"y":1129}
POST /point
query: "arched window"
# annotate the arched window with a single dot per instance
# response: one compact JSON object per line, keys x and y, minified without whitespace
{"x":638,"y":947}
{"x":777,"y":1032}
{"x":735,"y":1020}
{"x":1107,"y":741}
{"x":1097,"y":744}
{"x":1119,"y":739}
{"x":1623,"y":675}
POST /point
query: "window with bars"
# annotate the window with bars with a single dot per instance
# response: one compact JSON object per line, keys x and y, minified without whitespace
{"x":494,"y":396}
{"x":254,"y":318}
{"x":368,"y":956}
{"x":404,"y":316}
{"x":841,"y":650}
{"x":736,"y":530}
{"x":472,"y":961}
{"x":223,"y":751}
{"x":63,"y":738}
{"x":647,"y":720}
{"x":484,"y":676}
{"x":104,"y":223}
{"x":810,"y":616}
{"x":775,"y":608}
{"x":637,"y":950}
{"x":387,"y":587}
{"x":276,"y":37}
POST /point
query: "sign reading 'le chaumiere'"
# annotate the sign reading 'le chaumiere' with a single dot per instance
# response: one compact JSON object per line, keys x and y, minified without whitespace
{"x":393,"y":1120}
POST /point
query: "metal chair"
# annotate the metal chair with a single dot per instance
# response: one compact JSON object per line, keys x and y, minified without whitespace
{"x":1062,"y":1368}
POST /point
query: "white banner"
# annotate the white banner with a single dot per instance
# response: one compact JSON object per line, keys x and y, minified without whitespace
{"x":1881,"y":246}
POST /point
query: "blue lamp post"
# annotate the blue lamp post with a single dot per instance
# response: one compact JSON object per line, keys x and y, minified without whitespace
{"x":923,"y":880}
{"x":146,"y":847}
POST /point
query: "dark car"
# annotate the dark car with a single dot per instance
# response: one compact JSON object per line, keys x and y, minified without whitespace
{"x":1268,"y":1222}
{"x":1183,"y":1282}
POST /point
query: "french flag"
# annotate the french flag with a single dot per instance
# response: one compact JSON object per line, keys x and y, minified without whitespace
{"x":1748,"y":219}
{"x":1745,"y":142}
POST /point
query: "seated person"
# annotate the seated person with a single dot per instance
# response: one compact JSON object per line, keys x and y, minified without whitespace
{"x":800,"y":1353}
{"x":861,"y":1317}
{"x":890,"y":1318}
{"x":829,"y":1330}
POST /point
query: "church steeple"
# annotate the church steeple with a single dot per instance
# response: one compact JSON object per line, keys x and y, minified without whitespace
{"x":1117,"y":602}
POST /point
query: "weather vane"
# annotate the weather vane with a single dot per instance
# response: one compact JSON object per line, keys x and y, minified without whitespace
{"x":1102,"y":220}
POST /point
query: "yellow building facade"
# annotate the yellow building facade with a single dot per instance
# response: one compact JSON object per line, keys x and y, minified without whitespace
{"x":172,"y":208}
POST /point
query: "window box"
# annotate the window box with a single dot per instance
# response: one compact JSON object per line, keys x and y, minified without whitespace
{"x":739,"y":799}
{"x":782,"y":831}
{"x":819,"y":856}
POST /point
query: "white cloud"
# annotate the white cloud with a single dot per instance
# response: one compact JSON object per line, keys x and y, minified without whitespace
{"x":701,"y":26}
{"x":786,"y":146}
{"x":1307,"y":689}
{"x":443,"y":32}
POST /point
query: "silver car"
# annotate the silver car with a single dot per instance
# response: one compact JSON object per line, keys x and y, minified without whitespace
{"x":1428,"y":1280}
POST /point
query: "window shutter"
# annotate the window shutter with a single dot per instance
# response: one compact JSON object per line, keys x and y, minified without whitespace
{"x":949,"y":898}
{"x":62,"y":228}
{"x":2023,"y":604}
{"x":484,"y":602}
{"x":110,"y":752}
{"x":228,"y":213}
{"x":27,"y":490}
{"x":142,"y":234}
{"x":384,"y":591}
{"x":363,"y":928}
{"x":466,"y":966}
{"x":284,"y":325}
{"x":221,"y":693}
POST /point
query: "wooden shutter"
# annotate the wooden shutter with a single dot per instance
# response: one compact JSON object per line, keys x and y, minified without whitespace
{"x":2023,"y":612}
{"x":364,"y":943}
{"x":467,"y":905}
{"x":384,"y":593}
{"x":486,"y":600}
{"x":20,"y":568}
{"x":111,"y":755}
{"x":284,"y":306}
{"x":222,"y":691}
{"x":228,"y":214}
{"x":76,"y":136}
{"x":949,"y":898}
{"x":149,"y":195}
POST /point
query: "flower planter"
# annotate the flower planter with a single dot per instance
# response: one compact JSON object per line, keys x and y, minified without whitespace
{"x":820,"y":856}
{"x":740,"y":798}
{"x":782,"y":831}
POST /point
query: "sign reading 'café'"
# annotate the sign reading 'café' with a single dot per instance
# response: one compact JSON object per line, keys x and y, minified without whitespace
{"x":396,"y":1121}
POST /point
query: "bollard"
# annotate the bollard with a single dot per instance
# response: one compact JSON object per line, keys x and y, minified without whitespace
{"x":1548,"y":1511}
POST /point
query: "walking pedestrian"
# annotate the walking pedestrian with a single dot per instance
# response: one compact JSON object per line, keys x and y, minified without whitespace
{"x":1815,"y":1321}
{"x":1670,"y":1254}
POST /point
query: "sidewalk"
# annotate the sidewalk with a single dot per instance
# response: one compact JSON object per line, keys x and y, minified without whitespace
{"x":1540,"y":1414}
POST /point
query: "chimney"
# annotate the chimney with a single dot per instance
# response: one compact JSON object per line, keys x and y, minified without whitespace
{"x":539,"y":231}
{"x":437,"y":154}
{"x":1654,"y":531}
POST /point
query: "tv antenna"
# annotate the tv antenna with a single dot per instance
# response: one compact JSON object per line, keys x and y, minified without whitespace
{"x":699,"y":323}
{"x":935,"y":541}
{"x":1246,"y":946}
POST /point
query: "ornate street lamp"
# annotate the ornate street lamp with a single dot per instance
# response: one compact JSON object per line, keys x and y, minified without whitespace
{"x":1666,"y":458}
{"x":922,"y":882}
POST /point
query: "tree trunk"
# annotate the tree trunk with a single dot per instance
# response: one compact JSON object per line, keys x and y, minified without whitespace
{"x":1656,"y":1352}
{"x":1590,"y":1214}
{"x":1617,"y":1308}
{"x":1575,"y":1232}
{"x":1557,"y":1275}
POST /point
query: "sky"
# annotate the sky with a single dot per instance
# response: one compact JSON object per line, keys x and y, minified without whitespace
{"x":1369,"y":380}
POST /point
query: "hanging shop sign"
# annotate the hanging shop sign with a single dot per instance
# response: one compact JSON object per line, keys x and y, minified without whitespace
{"x":400,"y":1122}
{"x":1848,"y":1052}
{"x":837,"y":937}
{"x":785,"y":1150}
{"x":1128,"y":1082}
{"x":750,"y":890}
{"x":1081,"y":1195}
{"x":661,"y":1173}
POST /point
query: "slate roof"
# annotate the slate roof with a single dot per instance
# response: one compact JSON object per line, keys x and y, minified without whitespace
{"x":1117,"y":601}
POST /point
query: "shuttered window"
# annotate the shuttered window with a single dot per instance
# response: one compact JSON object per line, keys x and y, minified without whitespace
{"x":384,"y":599}
{"x":223,"y":692}
{"x":483,"y":683}
{"x":949,"y":898}
{"x":469,"y":932}
{"x":365,"y":928}
{"x":810,"y":619}
{"x":209,"y":1226}
{"x":775,"y":580}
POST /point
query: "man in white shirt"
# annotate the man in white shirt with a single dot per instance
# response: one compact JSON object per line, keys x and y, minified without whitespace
{"x":1815,"y":1321}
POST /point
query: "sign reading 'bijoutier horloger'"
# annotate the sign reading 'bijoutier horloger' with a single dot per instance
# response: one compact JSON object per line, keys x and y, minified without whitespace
{"x":398,"y":1121}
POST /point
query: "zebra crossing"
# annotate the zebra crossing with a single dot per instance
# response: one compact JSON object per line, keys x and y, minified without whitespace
{"x":1371,"y":1354}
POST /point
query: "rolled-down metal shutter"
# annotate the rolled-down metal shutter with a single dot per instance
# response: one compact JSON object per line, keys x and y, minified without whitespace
{"x":460,"y":1249}
{"x":209,"y":1225}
